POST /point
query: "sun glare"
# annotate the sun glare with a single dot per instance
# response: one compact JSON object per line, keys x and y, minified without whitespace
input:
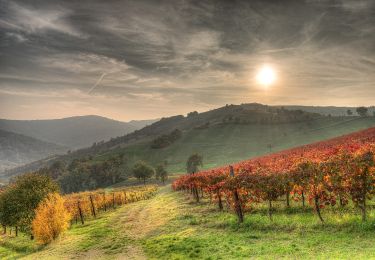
{"x":266,"y":76}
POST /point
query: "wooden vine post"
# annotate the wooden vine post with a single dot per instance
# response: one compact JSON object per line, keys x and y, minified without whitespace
{"x":80,"y":212}
{"x":92,"y":207}
{"x":195,"y":191}
{"x":105,"y":202}
{"x":236,"y":197}
{"x":220,"y":201}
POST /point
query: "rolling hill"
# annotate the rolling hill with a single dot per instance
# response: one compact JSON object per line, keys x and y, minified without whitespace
{"x":224,"y":135}
{"x":73,"y":132}
{"x":16,"y":149}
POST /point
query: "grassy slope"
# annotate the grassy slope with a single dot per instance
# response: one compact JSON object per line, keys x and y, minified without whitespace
{"x":223,"y":144}
{"x":171,"y":226}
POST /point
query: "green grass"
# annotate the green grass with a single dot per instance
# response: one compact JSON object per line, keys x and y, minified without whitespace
{"x":15,"y":247}
{"x":172,"y":226}
{"x":224,"y":144}
{"x":201,"y":231}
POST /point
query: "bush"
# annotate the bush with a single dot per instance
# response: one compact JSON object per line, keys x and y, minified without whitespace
{"x":51,"y":219}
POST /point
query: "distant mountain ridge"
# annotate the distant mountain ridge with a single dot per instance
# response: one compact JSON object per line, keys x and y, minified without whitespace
{"x":16,"y":149}
{"x":73,"y":132}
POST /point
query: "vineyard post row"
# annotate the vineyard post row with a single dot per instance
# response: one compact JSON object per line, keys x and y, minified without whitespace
{"x":85,"y":204}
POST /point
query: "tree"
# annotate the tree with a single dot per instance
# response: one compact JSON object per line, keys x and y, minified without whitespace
{"x":56,"y":169}
{"x":51,"y":219}
{"x":19,"y":201}
{"x":193,"y":163}
{"x":142,"y":170}
{"x":191,"y":114}
{"x":161,"y":173}
{"x":349,"y":112}
{"x":362,"y":111}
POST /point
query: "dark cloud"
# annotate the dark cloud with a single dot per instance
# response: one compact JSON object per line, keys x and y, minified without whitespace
{"x":176,"y":56}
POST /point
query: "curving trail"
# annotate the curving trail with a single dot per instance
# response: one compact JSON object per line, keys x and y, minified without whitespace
{"x":118,"y":234}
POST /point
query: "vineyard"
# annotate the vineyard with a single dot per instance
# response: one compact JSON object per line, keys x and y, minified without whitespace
{"x":87,"y":204}
{"x":19,"y":214}
{"x":338,"y":172}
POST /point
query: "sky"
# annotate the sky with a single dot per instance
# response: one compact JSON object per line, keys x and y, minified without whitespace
{"x":148,"y":59}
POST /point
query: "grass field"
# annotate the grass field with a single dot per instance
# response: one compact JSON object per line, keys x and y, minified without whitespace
{"x":172,"y":226}
{"x":223,"y":144}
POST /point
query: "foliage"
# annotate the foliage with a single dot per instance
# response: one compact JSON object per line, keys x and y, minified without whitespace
{"x":19,"y":201}
{"x":192,"y":114}
{"x":161,"y":173}
{"x":166,"y":140}
{"x":143,"y":171}
{"x":51,"y":219}
{"x":325,"y":172}
{"x":362,"y":111}
{"x":53,"y":213}
{"x":193,"y":163}
{"x":85,"y":174}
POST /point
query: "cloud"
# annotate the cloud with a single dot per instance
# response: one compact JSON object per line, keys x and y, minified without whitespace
{"x":183,"y":55}
{"x":16,"y":36}
{"x":37,"y":20}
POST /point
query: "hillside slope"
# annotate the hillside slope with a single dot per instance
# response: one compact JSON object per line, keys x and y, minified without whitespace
{"x":73,"y":132}
{"x":224,"y":135}
{"x":16,"y":149}
{"x":223,"y":144}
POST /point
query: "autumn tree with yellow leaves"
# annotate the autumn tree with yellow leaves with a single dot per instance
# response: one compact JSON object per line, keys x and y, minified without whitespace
{"x":51,"y":219}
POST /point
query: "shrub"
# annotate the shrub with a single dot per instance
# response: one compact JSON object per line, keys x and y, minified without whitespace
{"x":51,"y":219}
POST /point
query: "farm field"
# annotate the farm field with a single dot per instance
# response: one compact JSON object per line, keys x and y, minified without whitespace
{"x":172,"y":226}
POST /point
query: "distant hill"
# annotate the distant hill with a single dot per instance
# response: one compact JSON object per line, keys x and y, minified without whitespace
{"x":224,"y":135}
{"x":16,"y":149}
{"x":73,"y":132}
{"x":329,"y":110}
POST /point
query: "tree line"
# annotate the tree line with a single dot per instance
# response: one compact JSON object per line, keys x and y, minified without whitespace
{"x":89,"y":173}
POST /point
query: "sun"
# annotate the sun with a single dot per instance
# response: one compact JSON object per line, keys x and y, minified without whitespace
{"x":266,"y":76}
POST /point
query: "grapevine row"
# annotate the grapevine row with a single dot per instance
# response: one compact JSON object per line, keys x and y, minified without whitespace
{"x":323,"y":173}
{"x":87,"y":204}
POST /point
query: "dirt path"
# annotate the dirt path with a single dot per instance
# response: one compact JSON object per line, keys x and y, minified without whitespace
{"x":144,"y":219}
{"x":117,"y":234}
